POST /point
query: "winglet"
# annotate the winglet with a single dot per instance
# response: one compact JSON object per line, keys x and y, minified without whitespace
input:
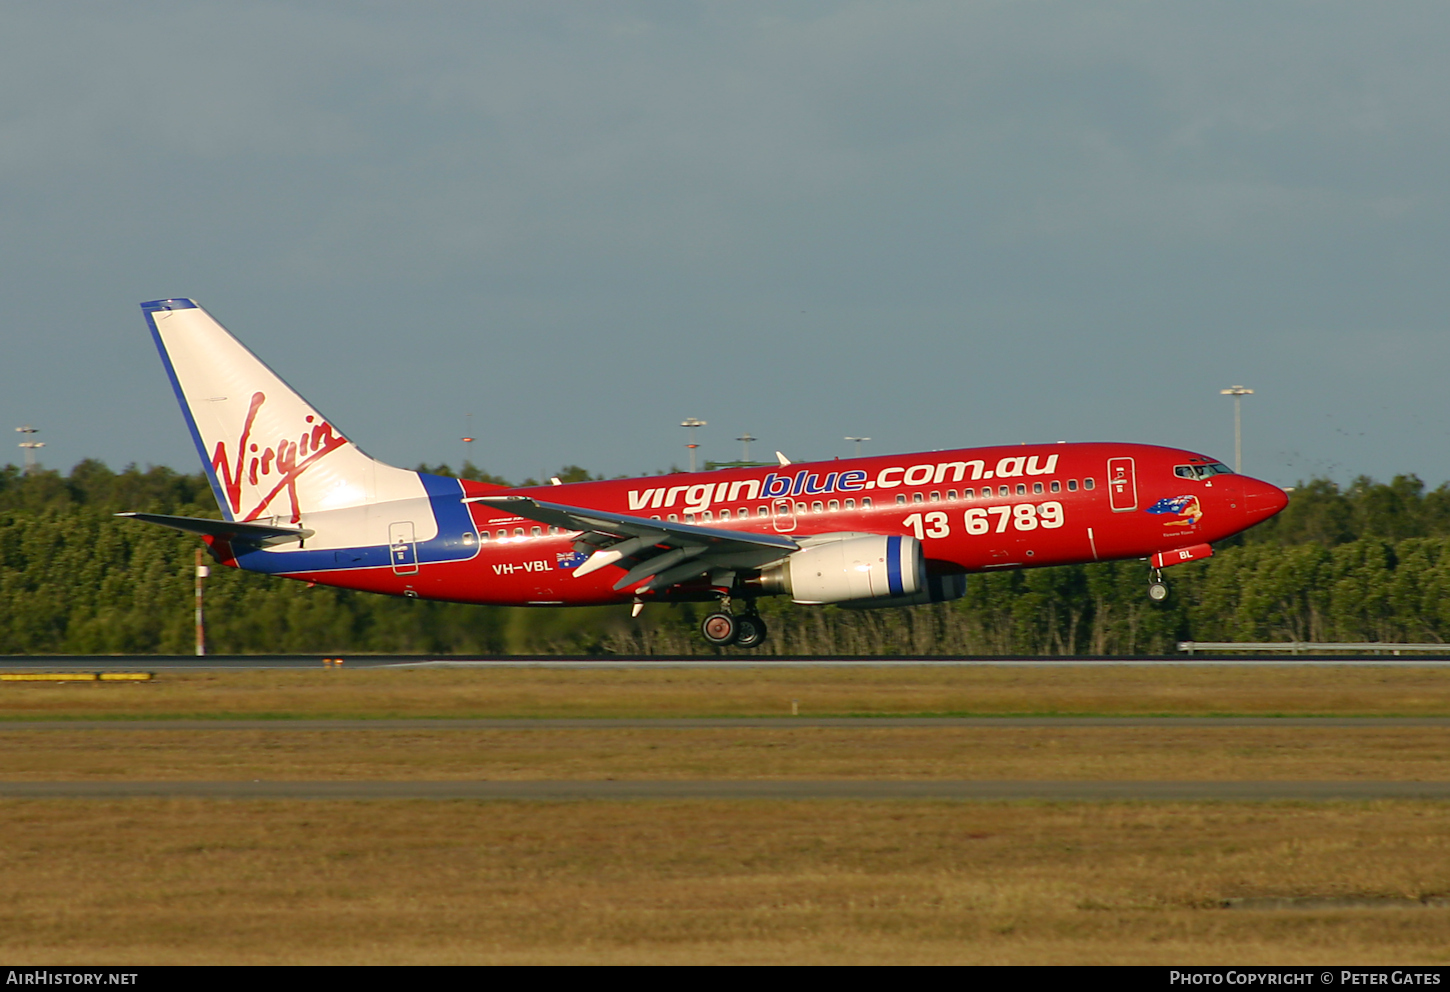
{"x":782,"y":458}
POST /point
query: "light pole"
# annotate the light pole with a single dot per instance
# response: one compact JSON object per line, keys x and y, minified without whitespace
{"x":745,"y":440}
{"x":30,"y":447}
{"x":1238,"y":393}
{"x":467,"y":444}
{"x":202,"y":571}
{"x":858,"y":441}
{"x":690,"y":423}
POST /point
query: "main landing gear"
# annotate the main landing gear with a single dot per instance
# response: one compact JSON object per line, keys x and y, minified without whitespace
{"x":724,"y":628}
{"x":1157,"y":588}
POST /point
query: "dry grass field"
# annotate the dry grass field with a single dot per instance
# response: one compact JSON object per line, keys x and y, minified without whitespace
{"x":211,"y":881}
{"x":907,"y":690}
{"x":189,"y":881}
{"x":1060,"y":753}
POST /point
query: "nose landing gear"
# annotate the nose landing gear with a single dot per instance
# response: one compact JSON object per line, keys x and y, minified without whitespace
{"x":1157,"y":588}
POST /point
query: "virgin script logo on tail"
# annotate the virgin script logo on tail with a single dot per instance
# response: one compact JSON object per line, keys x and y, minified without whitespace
{"x":276,"y":465}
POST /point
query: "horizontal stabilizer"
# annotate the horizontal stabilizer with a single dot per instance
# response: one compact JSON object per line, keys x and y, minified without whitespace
{"x":231,"y":530}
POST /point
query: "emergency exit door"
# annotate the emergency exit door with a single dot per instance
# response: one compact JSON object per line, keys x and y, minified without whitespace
{"x":783,"y":510}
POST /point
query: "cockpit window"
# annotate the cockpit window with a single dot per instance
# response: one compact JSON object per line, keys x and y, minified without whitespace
{"x":1201,"y":471}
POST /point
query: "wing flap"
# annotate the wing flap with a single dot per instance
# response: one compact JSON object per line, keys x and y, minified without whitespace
{"x":622,"y":525}
{"x":659,"y":553}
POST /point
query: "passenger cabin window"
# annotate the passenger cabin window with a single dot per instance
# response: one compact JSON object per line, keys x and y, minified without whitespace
{"x":762,"y":511}
{"x":503,"y":535}
{"x":707,"y":515}
{"x":800,"y":508}
{"x":1021,"y":489}
{"x":817,"y":507}
{"x":469,"y":539}
{"x":935,"y":497}
{"x":674,"y":516}
{"x":850,"y":504}
{"x":1072,"y":485}
{"x":1056,"y":486}
{"x":916,"y":497}
{"x":1004,"y":490}
{"x":901,"y":497}
{"x":834,"y":505}
{"x":968,"y":494}
{"x":1037,"y":487}
{"x":518,"y":532}
{"x":952,"y":495}
{"x":689,"y":518}
{"x":724,"y":514}
{"x":866,"y":502}
{"x":534,"y":532}
{"x":1087,"y":483}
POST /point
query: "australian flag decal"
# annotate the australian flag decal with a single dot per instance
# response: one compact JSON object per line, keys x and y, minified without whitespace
{"x":1179,"y":506}
{"x":1172,"y":504}
{"x":571,"y":559}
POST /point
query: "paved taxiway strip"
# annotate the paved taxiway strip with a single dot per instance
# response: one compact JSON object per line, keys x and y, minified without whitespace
{"x":773,"y":790}
{"x":154,"y":663}
{"x":727,"y":723}
{"x":935,"y":663}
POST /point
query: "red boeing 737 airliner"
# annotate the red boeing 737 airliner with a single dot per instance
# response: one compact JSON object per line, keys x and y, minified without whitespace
{"x":302,"y":501}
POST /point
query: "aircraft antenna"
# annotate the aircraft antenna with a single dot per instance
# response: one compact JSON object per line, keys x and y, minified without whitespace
{"x":858,"y":441}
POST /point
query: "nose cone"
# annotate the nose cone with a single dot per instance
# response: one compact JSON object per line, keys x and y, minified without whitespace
{"x":1262,"y":499}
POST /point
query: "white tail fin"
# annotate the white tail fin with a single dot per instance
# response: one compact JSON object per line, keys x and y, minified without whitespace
{"x":268,"y":453}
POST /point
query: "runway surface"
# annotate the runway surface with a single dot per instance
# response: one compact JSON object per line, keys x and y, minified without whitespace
{"x":98,"y":663}
{"x":740,"y":790}
{"x":728,"y":723}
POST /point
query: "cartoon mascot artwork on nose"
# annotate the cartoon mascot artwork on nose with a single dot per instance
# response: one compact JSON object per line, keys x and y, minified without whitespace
{"x":1183,"y":506}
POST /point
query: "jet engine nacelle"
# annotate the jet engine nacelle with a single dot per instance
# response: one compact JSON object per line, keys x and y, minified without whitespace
{"x":938,"y":589}
{"x":856,"y":568}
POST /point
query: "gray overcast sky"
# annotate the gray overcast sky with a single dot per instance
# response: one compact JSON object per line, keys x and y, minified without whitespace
{"x":933,"y":223}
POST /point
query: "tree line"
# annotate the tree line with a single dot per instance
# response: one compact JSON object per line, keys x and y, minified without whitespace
{"x":1367,"y":561}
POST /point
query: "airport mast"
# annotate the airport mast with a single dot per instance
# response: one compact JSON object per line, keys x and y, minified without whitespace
{"x":1238,"y":393}
{"x":745,"y":440}
{"x":30,"y":447}
{"x":691,"y":423}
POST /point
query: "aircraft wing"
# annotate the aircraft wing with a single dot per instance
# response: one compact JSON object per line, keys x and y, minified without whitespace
{"x":660,"y":551}
{"x":230,"y":529}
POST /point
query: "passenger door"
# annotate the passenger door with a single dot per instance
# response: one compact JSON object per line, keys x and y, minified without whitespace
{"x":402,"y":548}
{"x":1122,"y":485}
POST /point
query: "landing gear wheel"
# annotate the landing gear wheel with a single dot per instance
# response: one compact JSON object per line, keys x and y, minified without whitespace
{"x":720,"y":629}
{"x":752,"y":631}
{"x":1158,"y":591}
